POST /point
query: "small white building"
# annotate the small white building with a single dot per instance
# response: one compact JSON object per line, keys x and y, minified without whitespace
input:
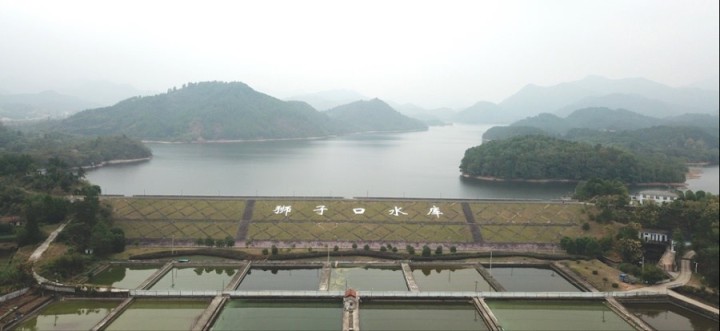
{"x":652,"y":235}
{"x":657,"y":196}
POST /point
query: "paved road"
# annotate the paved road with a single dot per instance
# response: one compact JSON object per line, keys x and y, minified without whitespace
{"x":682,"y":279}
{"x":42,"y":248}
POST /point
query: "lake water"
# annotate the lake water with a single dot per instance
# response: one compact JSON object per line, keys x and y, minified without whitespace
{"x":414,"y":164}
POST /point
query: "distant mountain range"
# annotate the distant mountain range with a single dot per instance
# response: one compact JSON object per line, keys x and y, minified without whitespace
{"x":635,"y":94}
{"x":691,"y":137}
{"x":373,"y":115}
{"x":609,"y":120}
{"x":47,"y":104}
{"x":325,"y":100}
{"x":212,"y":111}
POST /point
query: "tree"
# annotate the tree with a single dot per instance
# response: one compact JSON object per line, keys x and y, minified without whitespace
{"x":439,"y":250}
{"x":630,"y":250}
{"x":410,"y":249}
{"x":274,"y":250}
{"x":426,"y":251}
{"x":229,"y":241}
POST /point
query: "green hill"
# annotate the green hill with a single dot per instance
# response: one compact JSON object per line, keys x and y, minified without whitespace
{"x":204,"y":111}
{"x":373,"y":115}
{"x":547,"y":158}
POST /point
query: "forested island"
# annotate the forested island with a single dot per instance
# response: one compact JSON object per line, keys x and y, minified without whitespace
{"x":220,"y":111}
{"x":545,"y":158}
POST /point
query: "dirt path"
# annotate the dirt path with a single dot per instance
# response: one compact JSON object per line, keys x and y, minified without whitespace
{"x":42,"y":248}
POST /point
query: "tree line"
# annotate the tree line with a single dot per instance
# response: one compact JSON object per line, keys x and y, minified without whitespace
{"x":543,"y":157}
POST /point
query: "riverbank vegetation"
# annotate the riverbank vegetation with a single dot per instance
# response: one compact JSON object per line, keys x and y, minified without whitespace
{"x":553,"y":159}
{"x":692,"y":218}
{"x":74,"y":151}
{"x":31,"y":198}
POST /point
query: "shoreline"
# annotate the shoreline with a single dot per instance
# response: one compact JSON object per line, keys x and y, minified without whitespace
{"x":114,"y":162}
{"x":557,"y":181}
{"x":226,"y":141}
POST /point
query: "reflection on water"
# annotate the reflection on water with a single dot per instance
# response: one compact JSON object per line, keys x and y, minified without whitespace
{"x":199,"y":278}
{"x":420,"y":316}
{"x":279,"y":315}
{"x":531,"y":280}
{"x":159,"y":315}
{"x":437,"y":279}
{"x":669,"y":317}
{"x":69,"y":315}
{"x":123,"y":276}
{"x":414,"y":164}
{"x":556,"y":315}
{"x":281,"y":279}
{"x":367,"y":279}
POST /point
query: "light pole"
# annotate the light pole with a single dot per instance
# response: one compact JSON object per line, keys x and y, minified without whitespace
{"x":696,"y":264}
{"x":491,"y":262}
{"x":476,"y":282}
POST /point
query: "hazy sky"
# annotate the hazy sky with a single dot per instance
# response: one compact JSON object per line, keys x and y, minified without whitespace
{"x":431,"y":53}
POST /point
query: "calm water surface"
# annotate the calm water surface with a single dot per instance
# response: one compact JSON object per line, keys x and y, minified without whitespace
{"x":420,"y":316}
{"x":281,"y":279}
{"x":414,"y":164}
{"x":277,"y":315}
{"x":159,"y":315}
{"x":367,"y":279}
{"x":531,"y":280}
{"x":200,"y":278}
{"x":669,"y":317}
{"x":556,"y":315}
{"x":124,"y":276}
{"x":69,"y":315}
{"x":436,"y":279}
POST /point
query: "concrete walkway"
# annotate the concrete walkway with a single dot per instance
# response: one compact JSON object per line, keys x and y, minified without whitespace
{"x":42,"y":248}
{"x":682,"y":279}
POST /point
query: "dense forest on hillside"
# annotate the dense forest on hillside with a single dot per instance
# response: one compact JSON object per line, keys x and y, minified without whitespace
{"x":72,"y":150}
{"x":211,"y":111}
{"x":689,"y":144}
{"x":542,"y":157}
{"x":373,"y":115}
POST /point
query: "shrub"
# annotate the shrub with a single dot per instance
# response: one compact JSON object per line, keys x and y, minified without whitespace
{"x":453,"y":249}
{"x":586,"y":226}
{"x":265,"y":251}
{"x":394,"y":249}
{"x":383,"y":249}
{"x":336,"y":248}
{"x":354,"y":246}
{"x":410,"y":249}
{"x":439,"y":250}
{"x":426,"y":251}
{"x":615,"y":285}
{"x":366,"y":247}
{"x":274,"y":250}
{"x":594,"y":272}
